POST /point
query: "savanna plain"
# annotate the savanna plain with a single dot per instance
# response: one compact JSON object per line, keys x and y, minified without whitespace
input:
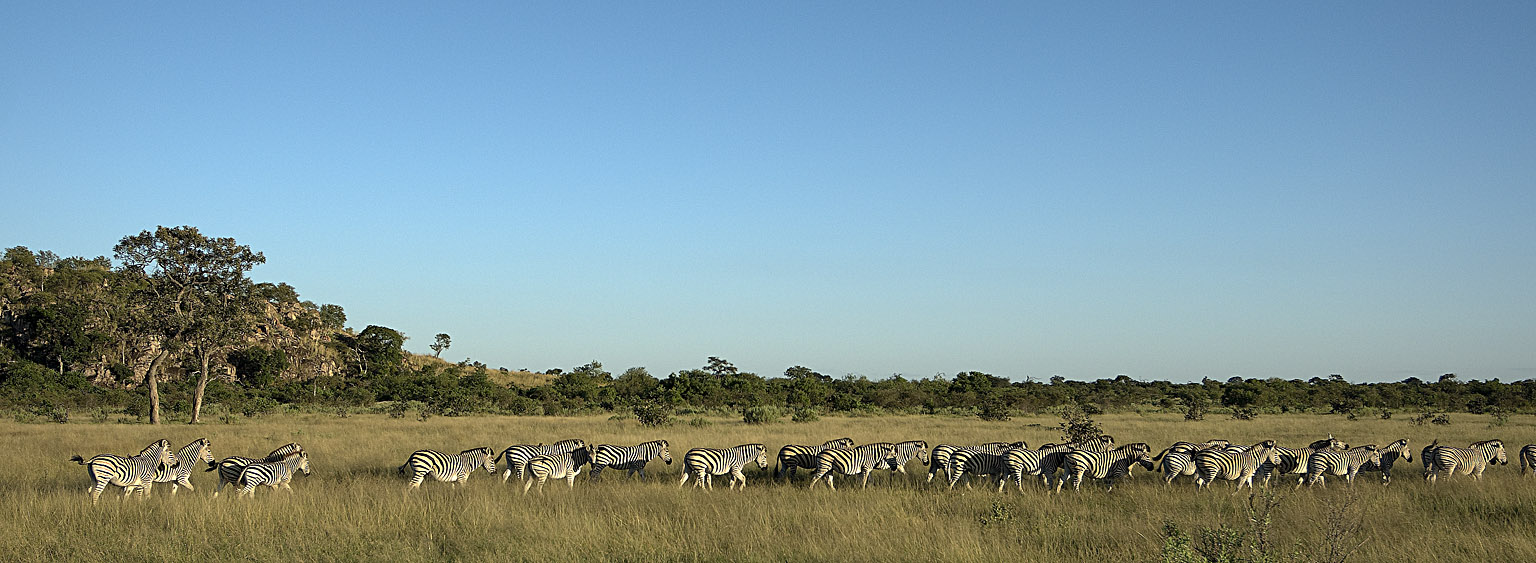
{"x":355,"y":506}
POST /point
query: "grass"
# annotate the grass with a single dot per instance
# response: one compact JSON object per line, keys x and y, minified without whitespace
{"x":354,"y":506}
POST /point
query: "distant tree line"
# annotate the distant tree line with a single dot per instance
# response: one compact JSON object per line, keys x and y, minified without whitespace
{"x":175,"y":323}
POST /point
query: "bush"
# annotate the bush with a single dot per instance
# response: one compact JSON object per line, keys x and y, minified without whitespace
{"x":653,"y":415}
{"x":759,"y":415}
{"x":1244,"y":413}
{"x":699,"y":422}
{"x":805,"y":415}
{"x":1077,"y":426}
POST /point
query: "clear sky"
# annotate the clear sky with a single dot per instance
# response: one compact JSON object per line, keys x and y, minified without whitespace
{"x":1162,"y":190}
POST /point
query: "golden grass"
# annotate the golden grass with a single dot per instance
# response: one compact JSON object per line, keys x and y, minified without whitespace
{"x":354,"y":507}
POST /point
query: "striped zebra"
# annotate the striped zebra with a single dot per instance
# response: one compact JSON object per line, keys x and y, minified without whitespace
{"x":180,"y":473}
{"x":135,"y":473}
{"x":1109,"y":466}
{"x":861,"y":461}
{"x":706,"y":463}
{"x":272,"y":473}
{"x":1179,"y":459}
{"x":1471,"y":460}
{"x":1018,"y":462}
{"x":1389,"y":456}
{"x":444,"y":467}
{"x":1240,"y":467}
{"x":629,"y":458}
{"x":1344,"y":464}
{"x":1527,"y":458}
{"x":556,"y":466}
{"x":1427,"y":456}
{"x":939,"y":458}
{"x":229,"y":468}
{"x":907,"y":451}
{"x":1293,"y":461}
{"x":979,"y":462}
{"x":792,"y":456}
{"x":517,"y":456}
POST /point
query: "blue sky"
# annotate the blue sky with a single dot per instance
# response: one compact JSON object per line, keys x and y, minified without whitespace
{"x":1168,"y":191}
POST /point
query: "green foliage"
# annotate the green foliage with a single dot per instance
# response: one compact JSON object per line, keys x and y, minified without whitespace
{"x":653,"y":415}
{"x":1076,"y":425}
{"x":760,"y":415}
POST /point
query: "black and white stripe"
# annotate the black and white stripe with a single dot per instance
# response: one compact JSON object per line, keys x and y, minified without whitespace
{"x":705,"y":463}
{"x":444,"y":467}
{"x":229,"y":468}
{"x":180,"y":473}
{"x":1179,"y":459}
{"x":130,"y":473}
{"x":518,"y":455}
{"x":1232,"y":466}
{"x":1344,"y":464}
{"x":273,"y":473}
{"x":1389,"y":456}
{"x":1472,"y":460}
{"x":1109,"y":466}
{"x":857,"y":461}
{"x":629,"y":458}
{"x":1043,"y":462}
{"x":1527,"y":458}
{"x":979,"y":462}
{"x":1293,"y":461}
{"x":556,"y":466}
{"x":794,"y":456}
{"x":906,"y":452}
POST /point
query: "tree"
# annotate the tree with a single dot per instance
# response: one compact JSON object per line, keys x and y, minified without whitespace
{"x":440,"y":343}
{"x":188,"y":277}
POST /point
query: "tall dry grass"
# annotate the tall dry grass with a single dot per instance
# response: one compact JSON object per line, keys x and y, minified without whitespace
{"x":354,"y":507}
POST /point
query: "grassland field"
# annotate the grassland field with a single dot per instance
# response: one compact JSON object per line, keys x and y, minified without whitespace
{"x":354,"y":506}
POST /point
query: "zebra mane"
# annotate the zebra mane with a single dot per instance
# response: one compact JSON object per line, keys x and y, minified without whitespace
{"x":1498,"y":443}
{"x":485,"y":450}
{"x":572,"y":441}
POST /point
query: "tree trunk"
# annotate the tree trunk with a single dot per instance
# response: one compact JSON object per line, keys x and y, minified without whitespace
{"x":202,"y":383}
{"x":154,"y":389}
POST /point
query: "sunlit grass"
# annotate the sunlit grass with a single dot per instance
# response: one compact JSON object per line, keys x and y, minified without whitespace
{"x":355,"y":506}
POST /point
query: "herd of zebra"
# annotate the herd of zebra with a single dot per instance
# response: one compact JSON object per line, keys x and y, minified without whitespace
{"x":1097,"y":458}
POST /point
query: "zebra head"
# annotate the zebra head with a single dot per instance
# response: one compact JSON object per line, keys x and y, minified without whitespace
{"x":922,"y":451}
{"x":1401,"y":447}
{"x":888,"y":454}
{"x":762,"y":456}
{"x":161,"y":452}
{"x":198,"y":450}
{"x":1268,"y":452}
{"x":1493,"y":450}
{"x":840,"y":443}
{"x":484,"y":455}
{"x":666,"y":451}
{"x":300,"y":459}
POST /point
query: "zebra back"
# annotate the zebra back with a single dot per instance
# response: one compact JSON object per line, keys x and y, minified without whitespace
{"x":793,"y":456}
{"x":632,"y":458}
{"x":1109,"y":465}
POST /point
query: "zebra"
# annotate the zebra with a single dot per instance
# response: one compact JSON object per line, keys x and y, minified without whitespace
{"x":135,"y":473}
{"x":705,"y":463}
{"x":939,"y":459}
{"x":861,"y":460}
{"x":1389,"y":456}
{"x":1346,"y":463}
{"x":629,"y":458}
{"x":519,"y":455}
{"x":1527,"y":458}
{"x":978,"y":462}
{"x":557,"y":466}
{"x":907,"y":451}
{"x":1179,"y":459}
{"x":792,"y":456}
{"x":444,"y":467}
{"x":1293,"y":461}
{"x":1240,"y":467}
{"x":1471,"y":460}
{"x":179,"y":475}
{"x":1110,"y":465}
{"x":1018,"y":462}
{"x":229,"y":468}
{"x":273,"y":473}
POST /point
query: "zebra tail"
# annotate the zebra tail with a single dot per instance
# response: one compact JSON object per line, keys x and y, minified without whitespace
{"x":211,"y":467}
{"x":78,"y":459}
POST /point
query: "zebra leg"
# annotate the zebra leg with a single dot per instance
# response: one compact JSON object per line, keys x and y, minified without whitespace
{"x":685,"y":478}
{"x":865,"y":483}
{"x":742,"y":477}
{"x":528,"y":484}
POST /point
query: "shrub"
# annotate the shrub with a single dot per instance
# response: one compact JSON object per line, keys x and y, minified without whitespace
{"x":805,"y":414}
{"x":1244,"y":413}
{"x":699,"y":422}
{"x":653,"y":415}
{"x":759,"y":415}
{"x":1077,"y":426}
